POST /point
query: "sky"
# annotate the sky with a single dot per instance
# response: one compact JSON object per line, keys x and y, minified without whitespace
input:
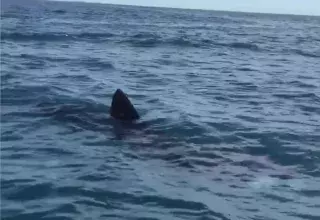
{"x":304,"y":7}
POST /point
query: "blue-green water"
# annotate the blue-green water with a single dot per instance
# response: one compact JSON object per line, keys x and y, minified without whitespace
{"x":230,"y":106}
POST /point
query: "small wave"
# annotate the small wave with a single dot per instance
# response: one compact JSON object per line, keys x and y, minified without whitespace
{"x":301,"y":84}
{"x":94,"y":36}
{"x":17,"y":36}
{"x":309,"y":95}
{"x":249,"y":46}
{"x":55,"y":151}
{"x":77,"y":78}
{"x":137,"y":40}
{"x":61,"y":212}
{"x":30,"y":192}
{"x":246,"y":69}
{"x":239,"y":45}
{"x":205,"y":154}
{"x":136,"y":199}
{"x":10,"y":137}
{"x":151,"y":40}
{"x":310,"y":193}
{"x":144,"y":35}
{"x":203,"y":162}
{"x":309,"y":108}
{"x":143,"y":43}
{"x":8,"y":183}
{"x":307,"y":216}
{"x":59,"y":11}
{"x":307,"y":54}
{"x":49,"y":103}
{"x":5,"y":77}
{"x":22,"y":95}
{"x":255,"y":165}
{"x":73,"y":113}
{"x":96,"y":63}
{"x":37,"y":61}
{"x":37,"y":58}
{"x":184,"y":42}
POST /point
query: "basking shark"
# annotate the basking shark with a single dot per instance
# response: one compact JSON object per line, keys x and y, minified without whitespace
{"x":121,"y":107}
{"x":126,"y":117}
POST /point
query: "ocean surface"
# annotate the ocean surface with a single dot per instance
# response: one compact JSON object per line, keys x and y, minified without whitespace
{"x":229,"y":105}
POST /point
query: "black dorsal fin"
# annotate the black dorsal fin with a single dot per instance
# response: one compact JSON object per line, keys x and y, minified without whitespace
{"x":122,"y":108}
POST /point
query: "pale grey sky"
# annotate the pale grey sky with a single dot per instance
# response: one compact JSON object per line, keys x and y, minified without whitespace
{"x":306,"y":7}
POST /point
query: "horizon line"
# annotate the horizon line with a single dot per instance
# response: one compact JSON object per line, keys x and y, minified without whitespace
{"x":182,"y":8}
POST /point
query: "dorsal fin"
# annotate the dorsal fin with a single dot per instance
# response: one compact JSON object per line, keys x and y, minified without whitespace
{"x":122,"y":108}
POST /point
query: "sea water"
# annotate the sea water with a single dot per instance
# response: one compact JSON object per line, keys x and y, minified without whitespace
{"x":229,"y":105}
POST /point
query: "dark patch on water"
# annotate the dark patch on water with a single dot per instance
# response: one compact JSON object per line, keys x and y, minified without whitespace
{"x":59,"y":11}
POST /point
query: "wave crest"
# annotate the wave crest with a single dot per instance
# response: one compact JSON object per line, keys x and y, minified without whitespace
{"x":17,"y":36}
